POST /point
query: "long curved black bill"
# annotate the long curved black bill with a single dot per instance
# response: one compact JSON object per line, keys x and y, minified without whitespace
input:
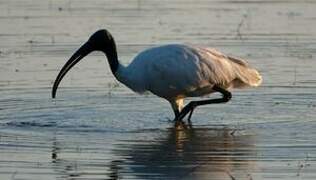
{"x":83,"y":51}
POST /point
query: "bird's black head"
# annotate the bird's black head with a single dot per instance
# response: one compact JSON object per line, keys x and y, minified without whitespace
{"x":101,"y":40}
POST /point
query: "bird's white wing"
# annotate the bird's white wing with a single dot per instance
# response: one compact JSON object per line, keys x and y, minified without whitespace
{"x":181,"y":70}
{"x":227,"y":71}
{"x":170,"y":70}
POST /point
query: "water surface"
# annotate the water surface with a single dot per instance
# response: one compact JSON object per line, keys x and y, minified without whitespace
{"x":96,"y":128}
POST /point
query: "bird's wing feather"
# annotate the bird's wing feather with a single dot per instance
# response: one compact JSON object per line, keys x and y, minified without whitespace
{"x":170,"y":69}
{"x":227,"y":71}
{"x":173,"y":70}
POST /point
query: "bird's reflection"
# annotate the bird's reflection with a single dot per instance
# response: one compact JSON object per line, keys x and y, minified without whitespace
{"x":180,"y":152}
{"x":189,"y":153}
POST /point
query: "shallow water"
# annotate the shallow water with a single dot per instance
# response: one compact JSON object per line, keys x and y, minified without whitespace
{"x":96,"y":128}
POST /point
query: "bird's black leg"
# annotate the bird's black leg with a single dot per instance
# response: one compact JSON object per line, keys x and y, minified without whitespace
{"x":176,"y":114}
{"x":189,"y":118}
{"x":193,"y":104}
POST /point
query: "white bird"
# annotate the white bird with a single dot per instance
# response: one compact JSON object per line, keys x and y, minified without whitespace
{"x":172,"y":72}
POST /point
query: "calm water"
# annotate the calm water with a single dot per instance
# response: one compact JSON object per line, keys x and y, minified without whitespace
{"x":99,"y":129}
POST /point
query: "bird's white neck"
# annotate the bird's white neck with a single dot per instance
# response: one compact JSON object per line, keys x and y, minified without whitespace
{"x":130,"y":78}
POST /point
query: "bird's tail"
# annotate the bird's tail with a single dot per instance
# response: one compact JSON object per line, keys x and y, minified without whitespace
{"x":246,"y":76}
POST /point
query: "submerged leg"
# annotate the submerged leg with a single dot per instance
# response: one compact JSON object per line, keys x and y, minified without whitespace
{"x":177,"y":105}
{"x":193,"y":104}
{"x":176,"y":114}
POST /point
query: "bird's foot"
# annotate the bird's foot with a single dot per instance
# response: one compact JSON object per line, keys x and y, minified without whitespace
{"x":177,"y":119}
{"x":188,"y":109}
{"x":181,"y":125}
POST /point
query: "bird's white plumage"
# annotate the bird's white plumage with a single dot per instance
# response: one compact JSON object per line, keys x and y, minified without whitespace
{"x":177,"y":71}
{"x":172,"y":72}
